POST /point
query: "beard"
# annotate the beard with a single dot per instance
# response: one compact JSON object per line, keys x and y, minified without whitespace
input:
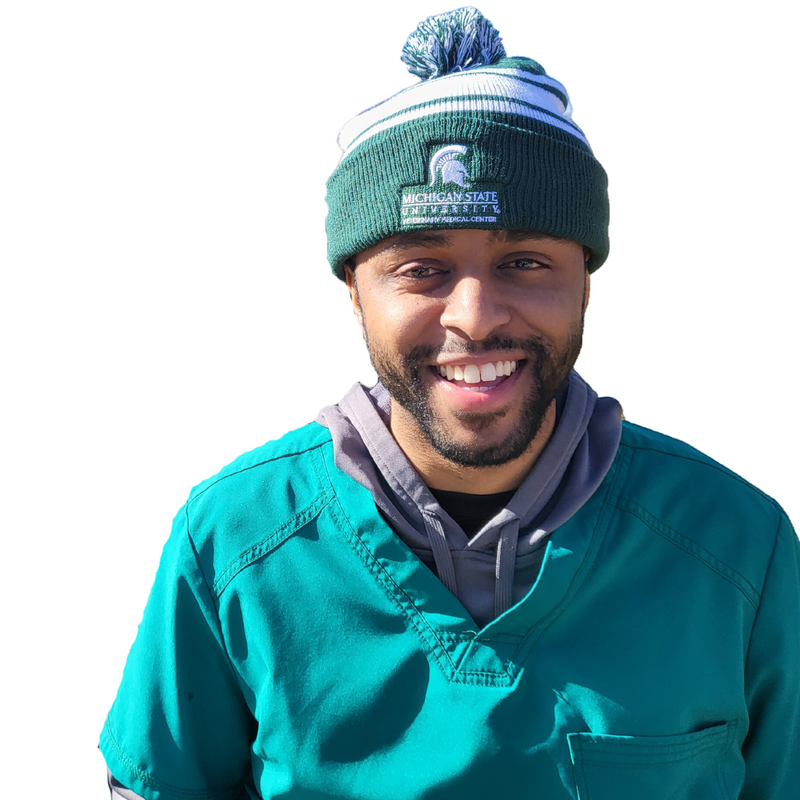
{"x":547,"y":373}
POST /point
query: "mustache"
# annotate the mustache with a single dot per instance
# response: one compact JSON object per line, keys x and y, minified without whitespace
{"x":491,"y":344}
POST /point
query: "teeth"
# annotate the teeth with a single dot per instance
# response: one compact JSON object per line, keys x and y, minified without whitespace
{"x":472,"y":374}
{"x":488,"y":372}
{"x":475,"y":373}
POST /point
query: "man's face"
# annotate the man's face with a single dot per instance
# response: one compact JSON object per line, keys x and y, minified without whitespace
{"x":476,"y":305}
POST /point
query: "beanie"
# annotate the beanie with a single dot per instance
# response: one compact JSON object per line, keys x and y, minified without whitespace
{"x":482,"y":141}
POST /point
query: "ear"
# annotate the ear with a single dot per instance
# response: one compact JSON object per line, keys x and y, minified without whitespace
{"x":587,"y":278}
{"x":350,"y":277}
{"x":587,"y":290}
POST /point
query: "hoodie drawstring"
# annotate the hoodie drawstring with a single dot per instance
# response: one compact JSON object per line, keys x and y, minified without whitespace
{"x":442,"y":556}
{"x":504,"y":566}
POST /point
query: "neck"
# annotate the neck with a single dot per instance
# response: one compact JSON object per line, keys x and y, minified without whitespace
{"x":438,"y":472}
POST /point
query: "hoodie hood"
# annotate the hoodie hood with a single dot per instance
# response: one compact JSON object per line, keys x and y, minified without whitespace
{"x":498,"y":565}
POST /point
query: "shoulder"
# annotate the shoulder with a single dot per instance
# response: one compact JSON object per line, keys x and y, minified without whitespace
{"x":278,"y":457}
{"x":264,"y":493}
{"x":702,"y":508}
{"x":663,"y":462}
{"x":697,"y":504}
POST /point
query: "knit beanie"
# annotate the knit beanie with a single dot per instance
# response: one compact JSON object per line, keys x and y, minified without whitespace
{"x":482,"y":141}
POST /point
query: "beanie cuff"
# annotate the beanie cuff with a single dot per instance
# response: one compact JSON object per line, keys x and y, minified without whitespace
{"x":460,"y":170}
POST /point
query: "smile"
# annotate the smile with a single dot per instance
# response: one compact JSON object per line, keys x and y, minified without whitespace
{"x":478,"y":377}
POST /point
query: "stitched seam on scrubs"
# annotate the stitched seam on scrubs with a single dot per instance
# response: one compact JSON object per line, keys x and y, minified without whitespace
{"x":693,"y":549}
{"x":399,"y":597}
{"x":726,"y":745}
{"x":302,"y":518}
{"x":766,"y":575}
{"x":706,"y":462}
{"x":467,"y":641}
{"x":213,"y":597}
{"x":604,"y":749}
{"x":435,"y":646}
{"x":144,"y":777}
{"x":395,"y":593}
{"x":645,"y":756}
{"x":278,"y":457}
{"x":617,"y":473}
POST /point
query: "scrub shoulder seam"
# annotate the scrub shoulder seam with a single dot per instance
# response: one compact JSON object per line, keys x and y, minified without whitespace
{"x":270,"y":542}
{"x":725,"y":571}
{"x":268,"y":453}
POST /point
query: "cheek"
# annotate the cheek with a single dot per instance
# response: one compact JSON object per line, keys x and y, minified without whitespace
{"x":551,"y":311}
{"x":406,"y":322}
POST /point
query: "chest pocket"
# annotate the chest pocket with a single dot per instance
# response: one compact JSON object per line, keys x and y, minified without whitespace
{"x":684,"y":767}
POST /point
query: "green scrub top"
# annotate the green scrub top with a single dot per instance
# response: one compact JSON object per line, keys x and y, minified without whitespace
{"x":292,"y":646}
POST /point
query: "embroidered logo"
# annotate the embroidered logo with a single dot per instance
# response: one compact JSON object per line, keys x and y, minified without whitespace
{"x":452,"y":195}
{"x":446,"y":166}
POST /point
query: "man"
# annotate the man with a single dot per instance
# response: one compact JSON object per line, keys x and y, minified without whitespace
{"x":473,"y":580}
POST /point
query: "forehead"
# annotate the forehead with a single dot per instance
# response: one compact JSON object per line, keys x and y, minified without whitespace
{"x":452,"y":238}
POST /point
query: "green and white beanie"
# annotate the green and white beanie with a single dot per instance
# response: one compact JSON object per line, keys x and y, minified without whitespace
{"x":483,"y":141}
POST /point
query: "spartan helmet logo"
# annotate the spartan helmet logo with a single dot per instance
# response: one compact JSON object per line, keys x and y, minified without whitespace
{"x":446,"y":162}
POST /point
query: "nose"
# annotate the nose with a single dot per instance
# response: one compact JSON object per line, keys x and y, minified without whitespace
{"x":474,"y":309}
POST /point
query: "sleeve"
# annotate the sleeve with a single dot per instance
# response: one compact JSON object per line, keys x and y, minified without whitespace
{"x":772,"y":679}
{"x":118,"y":791}
{"x":179,"y":726}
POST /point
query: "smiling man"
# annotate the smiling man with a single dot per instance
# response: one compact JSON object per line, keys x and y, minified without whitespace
{"x":490,"y":327}
{"x":472,"y":580}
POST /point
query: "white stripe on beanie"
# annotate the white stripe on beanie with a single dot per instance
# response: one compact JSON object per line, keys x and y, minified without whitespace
{"x":488,"y":90}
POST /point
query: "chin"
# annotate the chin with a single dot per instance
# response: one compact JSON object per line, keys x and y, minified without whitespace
{"x":483,"y":447}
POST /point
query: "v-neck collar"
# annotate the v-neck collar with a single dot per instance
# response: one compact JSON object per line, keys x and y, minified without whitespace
{"x":491,"y":655}
{"x":497,"y":565}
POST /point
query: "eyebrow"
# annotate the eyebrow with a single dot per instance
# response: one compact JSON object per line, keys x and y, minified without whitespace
{"x":428,"y":238}
{"x":405,"y":241}
{"x":520,"y":235}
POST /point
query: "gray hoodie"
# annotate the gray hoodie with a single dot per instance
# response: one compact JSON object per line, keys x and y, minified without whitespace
{"x":496,"y":567}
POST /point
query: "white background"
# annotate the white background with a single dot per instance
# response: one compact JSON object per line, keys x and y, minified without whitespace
{"x":166,"y":302}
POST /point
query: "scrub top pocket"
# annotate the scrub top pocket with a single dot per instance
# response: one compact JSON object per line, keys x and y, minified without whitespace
{"x":684,"y":767}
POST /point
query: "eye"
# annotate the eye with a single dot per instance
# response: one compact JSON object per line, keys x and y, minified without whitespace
{"x":421,"y":271}
{"x":525,"y":264}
